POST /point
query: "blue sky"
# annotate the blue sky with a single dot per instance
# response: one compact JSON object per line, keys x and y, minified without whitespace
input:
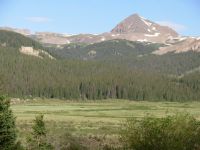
{"x":97,"y":16}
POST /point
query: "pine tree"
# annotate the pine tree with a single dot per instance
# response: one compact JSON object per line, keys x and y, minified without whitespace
{"x":38,"y":140}
{"x":39,"y":129}
{"x":7,"y":125}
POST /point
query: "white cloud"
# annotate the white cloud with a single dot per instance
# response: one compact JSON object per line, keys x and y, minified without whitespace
{"x":38,"y":19}
{"x":175,"y":26}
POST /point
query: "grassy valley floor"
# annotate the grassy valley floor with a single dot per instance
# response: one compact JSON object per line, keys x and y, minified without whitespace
{"x":99,"y":121}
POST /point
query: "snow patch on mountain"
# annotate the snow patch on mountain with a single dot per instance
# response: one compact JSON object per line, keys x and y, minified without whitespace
{"x":154,"y":28}
{"x":152,"y":35}
{"x":68,"y":42}
{"x":142,"y":40}
{"x":146,"y":22}
{"x":103,"y":39}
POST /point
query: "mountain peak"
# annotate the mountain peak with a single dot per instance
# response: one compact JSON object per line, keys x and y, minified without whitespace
{"x":135,"y":15}
{"x":137,"y":24}
{"x":133,"y":23}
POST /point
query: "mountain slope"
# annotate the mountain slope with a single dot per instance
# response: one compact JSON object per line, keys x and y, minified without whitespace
{"x":183,"y":44}
{"x":108,"y":50}
{"x":22,"y":44}
{"x":114,"y":69}
{"x":135,"y":55}
{"x":27,"y":77}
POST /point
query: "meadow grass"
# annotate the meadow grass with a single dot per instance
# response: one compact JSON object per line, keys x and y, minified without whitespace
{"x":96,"y":118}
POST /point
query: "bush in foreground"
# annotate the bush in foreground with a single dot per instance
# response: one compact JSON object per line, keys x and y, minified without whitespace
{"x":178,"y":132}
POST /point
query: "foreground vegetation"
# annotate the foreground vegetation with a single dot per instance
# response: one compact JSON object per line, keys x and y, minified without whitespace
{"x":179,"y":132}
{"x":72,"y":125}
{"x":93,"y":124}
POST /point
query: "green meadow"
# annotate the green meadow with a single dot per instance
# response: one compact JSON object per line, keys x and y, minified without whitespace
{"x":99,"y":119}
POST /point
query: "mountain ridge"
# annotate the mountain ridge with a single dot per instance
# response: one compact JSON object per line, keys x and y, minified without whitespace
{"x":132,"y":28}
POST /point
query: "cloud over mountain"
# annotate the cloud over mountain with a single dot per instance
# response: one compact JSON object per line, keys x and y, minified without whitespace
{"x":39,"y":19}
{"x":175,"y":26}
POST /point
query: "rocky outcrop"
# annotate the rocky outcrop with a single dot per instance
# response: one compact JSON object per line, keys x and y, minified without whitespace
{"x":30,"y":51}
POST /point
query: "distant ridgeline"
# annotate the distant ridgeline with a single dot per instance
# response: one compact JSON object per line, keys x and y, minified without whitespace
{"x":111,"y":69}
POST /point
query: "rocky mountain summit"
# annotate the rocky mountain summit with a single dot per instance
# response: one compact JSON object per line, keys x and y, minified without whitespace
{"x":137,"y":28}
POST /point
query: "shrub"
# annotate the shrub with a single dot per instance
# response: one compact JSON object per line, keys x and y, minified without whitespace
{"x":178,"y":132}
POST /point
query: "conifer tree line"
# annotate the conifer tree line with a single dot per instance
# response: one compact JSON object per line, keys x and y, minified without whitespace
{"x":138,"y":79}
{"x":27,"y":76}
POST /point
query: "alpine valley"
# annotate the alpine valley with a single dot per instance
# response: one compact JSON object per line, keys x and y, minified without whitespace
{"x":138,"y":60}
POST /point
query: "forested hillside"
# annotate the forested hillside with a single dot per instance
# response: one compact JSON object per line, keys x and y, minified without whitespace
{"x":16,"y":40}
{"x":108,"y":50}
{"x":135,"y":55}
{"x":137,"y":79}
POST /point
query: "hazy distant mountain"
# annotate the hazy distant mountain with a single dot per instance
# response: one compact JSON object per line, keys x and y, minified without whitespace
{"x":133,"y":28}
